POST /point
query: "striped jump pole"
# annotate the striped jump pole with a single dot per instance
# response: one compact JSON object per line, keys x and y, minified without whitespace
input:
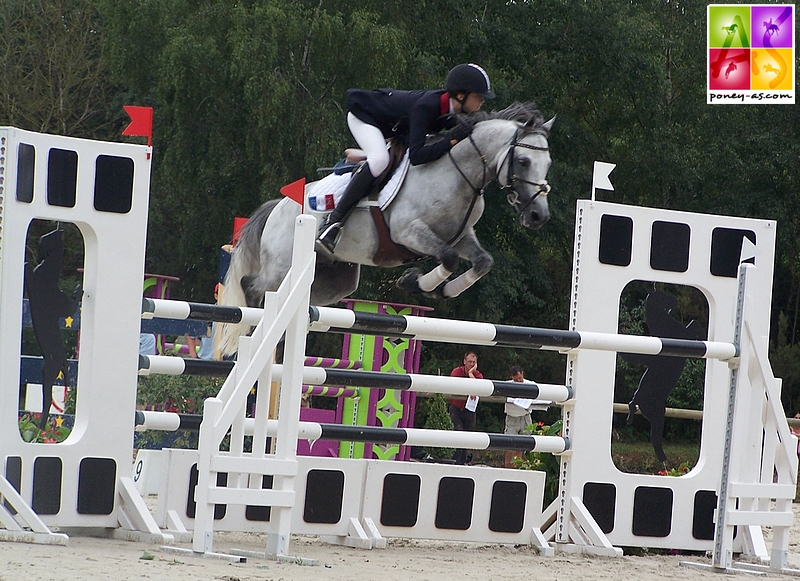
{"x":373,"y":379}
{"x":313,"y":431}
{"x":184,"y":310}
{"x":166,"y":365}
{"x":327,"y":319}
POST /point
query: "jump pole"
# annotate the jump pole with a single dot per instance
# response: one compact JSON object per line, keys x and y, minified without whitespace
{"x":334,"y":320}
{"x":373,"y":379}
{"x":313,"y":431}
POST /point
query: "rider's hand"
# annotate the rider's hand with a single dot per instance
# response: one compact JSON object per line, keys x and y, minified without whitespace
{"x":459,"y":132}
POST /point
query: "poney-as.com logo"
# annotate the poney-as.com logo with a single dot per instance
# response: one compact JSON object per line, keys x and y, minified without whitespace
{"x":751,"y":53}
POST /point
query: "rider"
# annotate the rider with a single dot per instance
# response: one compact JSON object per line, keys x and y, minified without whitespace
{"x":376,"y":115}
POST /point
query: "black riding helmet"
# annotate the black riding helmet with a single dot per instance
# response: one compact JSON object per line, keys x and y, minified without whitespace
{"x":469,"y":78}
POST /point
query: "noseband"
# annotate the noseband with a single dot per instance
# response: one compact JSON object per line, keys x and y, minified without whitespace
{"x":541,"y":188}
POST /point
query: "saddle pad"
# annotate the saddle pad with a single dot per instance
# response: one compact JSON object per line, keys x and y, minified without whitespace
{"x":322,"y":196}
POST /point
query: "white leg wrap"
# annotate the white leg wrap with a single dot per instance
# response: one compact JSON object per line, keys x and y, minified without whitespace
{"x":459,"y":285}
{"x":428,"y":282}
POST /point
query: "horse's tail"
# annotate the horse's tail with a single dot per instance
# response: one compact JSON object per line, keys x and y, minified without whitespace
{"x":244,"y":268}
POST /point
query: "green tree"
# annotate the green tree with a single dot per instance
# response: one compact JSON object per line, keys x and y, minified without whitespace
{"x":52,"y":68}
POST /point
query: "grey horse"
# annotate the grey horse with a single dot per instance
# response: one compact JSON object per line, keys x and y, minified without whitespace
{"x":433,"y":215}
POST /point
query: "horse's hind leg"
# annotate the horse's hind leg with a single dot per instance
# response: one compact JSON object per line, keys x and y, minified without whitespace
{"x":251,"y":294}
{"x":333,"y":282}
{"x":469,"y":248}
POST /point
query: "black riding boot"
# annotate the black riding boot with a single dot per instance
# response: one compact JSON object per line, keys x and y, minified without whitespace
{"x":330,"y":230}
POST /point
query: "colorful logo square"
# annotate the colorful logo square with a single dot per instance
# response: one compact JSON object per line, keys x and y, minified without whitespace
{"x":730,"y":69}
{"x":773,"y":26}
{"x":750,"y":52}
{"x":772,"y":70}
{"x":729,"y":26}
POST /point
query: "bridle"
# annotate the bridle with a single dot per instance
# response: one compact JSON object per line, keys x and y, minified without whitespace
{"x":513,"y":197}
{"x":542,"y":188}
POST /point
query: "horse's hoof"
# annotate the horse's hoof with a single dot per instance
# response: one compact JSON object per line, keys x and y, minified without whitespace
{"x":437,"y":293}
{"x":409,"y":281}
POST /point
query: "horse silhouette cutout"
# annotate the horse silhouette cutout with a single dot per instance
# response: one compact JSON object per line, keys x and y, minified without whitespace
{"x":730,"y":29}
{"x":771,"y":29}
{"x":48,"y":305}
{"x":731,"y":67}
{"x":768,"y":68}
{"x":663,"y":371}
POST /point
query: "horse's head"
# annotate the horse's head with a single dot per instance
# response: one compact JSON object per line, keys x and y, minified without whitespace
{"x":522,"y":171}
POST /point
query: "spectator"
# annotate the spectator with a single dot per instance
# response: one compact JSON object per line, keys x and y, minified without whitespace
{"x":462,"y":410}
{"x":203,"y":347}
{"x":147,"y":344}
{"x":518,"y":412}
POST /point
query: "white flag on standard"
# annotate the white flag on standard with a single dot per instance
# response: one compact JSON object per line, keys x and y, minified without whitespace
{"x":749,"y":250}
{"x":600,"y":180}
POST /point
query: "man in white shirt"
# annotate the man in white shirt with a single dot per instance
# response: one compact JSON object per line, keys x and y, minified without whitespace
{"x":518,"y":412}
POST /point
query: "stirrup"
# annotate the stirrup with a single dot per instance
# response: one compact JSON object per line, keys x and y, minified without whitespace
{"x":328,"y":238}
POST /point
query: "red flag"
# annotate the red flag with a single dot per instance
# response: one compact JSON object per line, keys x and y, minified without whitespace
{"x":295,"y":191}
{"x":238,"y":224}
{"x":141,"y":124}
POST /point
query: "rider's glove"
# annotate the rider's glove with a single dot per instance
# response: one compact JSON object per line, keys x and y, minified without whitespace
{"x":460,"y":131}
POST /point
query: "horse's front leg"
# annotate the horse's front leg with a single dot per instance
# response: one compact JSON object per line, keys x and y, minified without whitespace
{"x":421,"y":239}
{"x":469,"y":248}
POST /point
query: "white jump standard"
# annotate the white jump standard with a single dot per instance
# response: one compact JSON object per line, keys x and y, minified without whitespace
{"x":103,"y":189}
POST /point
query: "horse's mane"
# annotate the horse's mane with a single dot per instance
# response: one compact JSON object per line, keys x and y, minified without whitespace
{"x":526,"y":114}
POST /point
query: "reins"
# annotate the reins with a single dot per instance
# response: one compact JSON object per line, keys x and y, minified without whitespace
{"x":542,"y":187}
{"x":476,"y":192}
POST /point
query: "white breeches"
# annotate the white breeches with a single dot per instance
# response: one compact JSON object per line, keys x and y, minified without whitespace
{"x":371,"y":140}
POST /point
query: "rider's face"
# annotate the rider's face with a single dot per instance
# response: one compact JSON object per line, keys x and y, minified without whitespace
{"x":471,"y":104}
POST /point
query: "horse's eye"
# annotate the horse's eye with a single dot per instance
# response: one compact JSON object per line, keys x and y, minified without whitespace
{"x":524,"y":161}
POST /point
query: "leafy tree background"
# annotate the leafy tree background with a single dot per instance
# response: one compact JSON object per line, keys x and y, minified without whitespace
{"x":249,"y":95}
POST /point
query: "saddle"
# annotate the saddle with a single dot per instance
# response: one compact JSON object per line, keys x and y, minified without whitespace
{"x":388,"y":251}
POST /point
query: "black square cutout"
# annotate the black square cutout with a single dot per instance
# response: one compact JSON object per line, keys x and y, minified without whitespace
{"x":400,"y":500}
{"x":669,"y":246}
{"x":616,"y":240}
{"x":705,"y":503}
{"x":454,"y":503}
{"x":652,"y":512}
{"x":507,"y":511}
{"x":726,"y":248}
{"x":14,"y":477}
{"x":191,"y":503}
{"x":324,"y":496}
{"x":97,"y":479}
{"x":46,"y":485}
{"x":260,"y":513}
{"x":62,"y":177}
{"x":600,"y":499}
{"x":26,"y":166}
{"x":113,"y":184}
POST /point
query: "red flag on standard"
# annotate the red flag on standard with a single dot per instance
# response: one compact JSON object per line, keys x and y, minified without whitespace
{"x":295,"y":191}
{"x":141,"y":124}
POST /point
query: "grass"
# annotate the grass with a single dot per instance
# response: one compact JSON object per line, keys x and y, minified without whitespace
{"x":639,"y":457}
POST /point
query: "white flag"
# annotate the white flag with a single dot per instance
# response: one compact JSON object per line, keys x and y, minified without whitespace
{"x":748,"y":250}
{"x":600,"y":179}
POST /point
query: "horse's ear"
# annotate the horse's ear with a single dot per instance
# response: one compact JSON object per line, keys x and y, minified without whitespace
{"x":549,"y":124}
